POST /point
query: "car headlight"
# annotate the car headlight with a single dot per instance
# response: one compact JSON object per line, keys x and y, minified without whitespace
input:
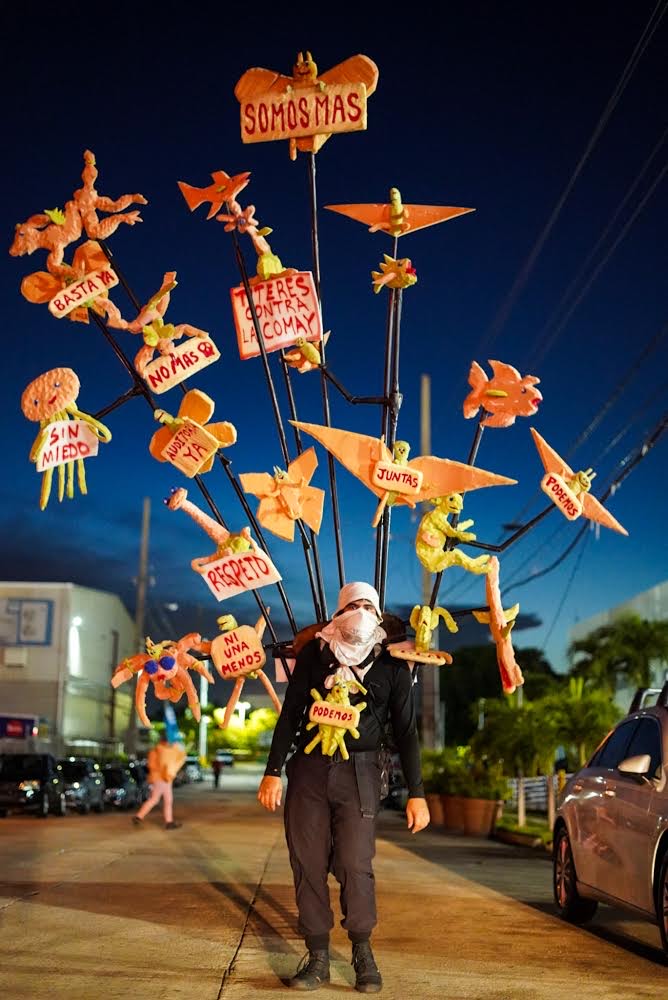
{"x":29,"y":786}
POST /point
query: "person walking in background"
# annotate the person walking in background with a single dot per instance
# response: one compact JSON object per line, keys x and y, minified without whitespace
{"x":164,"y":763}
{"x":217,"y":768}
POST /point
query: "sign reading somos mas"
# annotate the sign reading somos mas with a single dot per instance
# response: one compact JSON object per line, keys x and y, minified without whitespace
{"x":302,"y":112}
{"x":287,"y":309}
{"x":239,"y":571}
{"x":67,"y":440}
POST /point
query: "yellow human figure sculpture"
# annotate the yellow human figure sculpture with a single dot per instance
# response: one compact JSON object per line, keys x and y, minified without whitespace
{"x":424,"y":620}
{"x":433,"y":531}
{"x":332,"y":737}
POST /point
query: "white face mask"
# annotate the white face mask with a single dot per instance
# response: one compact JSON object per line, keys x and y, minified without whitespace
{"x":352,"y":635}
{"x":357,"y":626}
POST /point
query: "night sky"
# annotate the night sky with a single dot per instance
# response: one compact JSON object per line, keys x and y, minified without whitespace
{"x":485,"y":105}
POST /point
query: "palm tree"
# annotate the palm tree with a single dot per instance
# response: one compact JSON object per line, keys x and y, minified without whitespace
{"x":580,"y":716}
{"x":623,"y":650}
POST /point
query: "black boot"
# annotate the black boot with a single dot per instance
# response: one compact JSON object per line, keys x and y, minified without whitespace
{"x":367,"y":976}
{"x":313,"y":971}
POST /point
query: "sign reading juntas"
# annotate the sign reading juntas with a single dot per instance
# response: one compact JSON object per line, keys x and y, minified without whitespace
{"x":287,"y":309}
{"x":83,"y":292}
{"x":190,"y":448}
{"x":237,"y":652}
{"x":67,"y":440}
{"x":239,"y":571}
{"x":390,"y":475}
{"x":304,"y":112}
{"x":190,"y":357}
{"x":326,"y":713}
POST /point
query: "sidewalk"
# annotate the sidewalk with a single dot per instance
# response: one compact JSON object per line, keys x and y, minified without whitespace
{"x":92,"y":908}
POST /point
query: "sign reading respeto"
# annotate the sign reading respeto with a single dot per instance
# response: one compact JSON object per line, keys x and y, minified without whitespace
{"x":287,"y":309}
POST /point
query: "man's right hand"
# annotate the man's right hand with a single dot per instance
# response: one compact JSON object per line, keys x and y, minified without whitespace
{"x":270,"y":792}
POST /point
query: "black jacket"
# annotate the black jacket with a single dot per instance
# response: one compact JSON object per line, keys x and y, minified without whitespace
{"x":390,"y":696}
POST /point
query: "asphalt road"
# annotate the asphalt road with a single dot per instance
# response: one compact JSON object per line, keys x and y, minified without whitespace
{"x":91,"y":907}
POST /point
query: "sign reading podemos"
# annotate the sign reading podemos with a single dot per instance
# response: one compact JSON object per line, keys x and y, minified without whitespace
{"x":67,"y":440}
{"x":239,"y":571}
{"x":183,"y":361}
{"x":299,"y":113}
{"x":327,"y":713}
{"x":287,"y":309}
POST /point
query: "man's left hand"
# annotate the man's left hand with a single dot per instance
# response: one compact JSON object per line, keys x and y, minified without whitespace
{"x":417,"y":814}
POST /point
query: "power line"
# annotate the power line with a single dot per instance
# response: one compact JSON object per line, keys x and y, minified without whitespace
{"x":546,"y":343}
{"x":507,"y":306}
{"x":566,"y":592}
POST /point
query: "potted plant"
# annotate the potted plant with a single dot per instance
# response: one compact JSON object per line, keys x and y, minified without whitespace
{"x":432,"y":762}
{"x":484,"y":791}
{"x":451,"y":785}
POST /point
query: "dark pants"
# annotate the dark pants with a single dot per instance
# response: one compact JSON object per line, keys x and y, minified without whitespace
{"x":329,"y":828}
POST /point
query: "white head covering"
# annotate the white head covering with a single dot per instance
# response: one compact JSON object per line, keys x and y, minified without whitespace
{"x":348,"y":652}
{"x":358,"y":592}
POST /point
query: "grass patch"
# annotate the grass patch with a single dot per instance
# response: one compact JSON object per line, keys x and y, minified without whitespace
{"x":536,"y":825}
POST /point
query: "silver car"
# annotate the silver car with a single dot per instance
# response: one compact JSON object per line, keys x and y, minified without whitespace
{"x":611,"y":830}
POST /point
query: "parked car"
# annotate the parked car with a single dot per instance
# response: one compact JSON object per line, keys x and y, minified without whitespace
{"x":121,"y":789}
{"x":139,"y":771}
{"x":193,"y":769}
{"x":30,"y":782}
{"x":83,"y":784}
{"x":225,"y":757}
{"x":611,"y":830}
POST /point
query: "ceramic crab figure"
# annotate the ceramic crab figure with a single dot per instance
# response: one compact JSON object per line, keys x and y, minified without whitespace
{"x":341,"y":717}
{"x":433,"y":531}
{"x":50,"y":399}
{"x":165,"y":665}
{"x":394,"y":273}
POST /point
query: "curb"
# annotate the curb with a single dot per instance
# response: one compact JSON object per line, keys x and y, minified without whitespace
{"x":522,"y":840}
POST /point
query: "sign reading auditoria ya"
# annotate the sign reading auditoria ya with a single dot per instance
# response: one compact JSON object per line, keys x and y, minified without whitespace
{"x":67,"y":441}
{"x":304,"y":112}
{"x":190,"y":448}
{"x":239,"y":571}
{"x":238,"y":652}
{"x":287,"y":309}
{"x":81,"y":293}
{"x":183,"y":361}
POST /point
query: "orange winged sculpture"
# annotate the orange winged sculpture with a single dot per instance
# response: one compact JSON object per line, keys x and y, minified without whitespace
{"x":391,"y":476}
{"x":501,"y":623}
{"x":286,"y":496}
{"x":569,"y":490}
{"x":397,"y":219}
{"x":305,"y":80}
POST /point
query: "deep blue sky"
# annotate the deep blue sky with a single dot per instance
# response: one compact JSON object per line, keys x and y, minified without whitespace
{"x":484,"y":105}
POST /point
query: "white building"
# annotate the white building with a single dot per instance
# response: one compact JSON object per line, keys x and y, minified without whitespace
{"x":652,"y":605}
{"x":59,"y":644}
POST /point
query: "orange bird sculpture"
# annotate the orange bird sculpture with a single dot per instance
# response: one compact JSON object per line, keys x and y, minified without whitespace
{"x":224,"y":188}
{"x":569,"y":490}
{"x":397,"y":219}
{"x":391,"y":476}
{"x":286,"y":496}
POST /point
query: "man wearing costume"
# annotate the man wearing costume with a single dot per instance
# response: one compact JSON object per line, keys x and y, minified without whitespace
{"x":331,"y":803}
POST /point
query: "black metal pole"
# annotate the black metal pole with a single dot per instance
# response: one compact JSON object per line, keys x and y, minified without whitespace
{"x":241,"y":264}
{"x":326,"y":413}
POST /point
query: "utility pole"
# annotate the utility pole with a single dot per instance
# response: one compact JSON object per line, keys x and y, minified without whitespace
{"x":140,"y":612}
{"x":432,"y":737}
